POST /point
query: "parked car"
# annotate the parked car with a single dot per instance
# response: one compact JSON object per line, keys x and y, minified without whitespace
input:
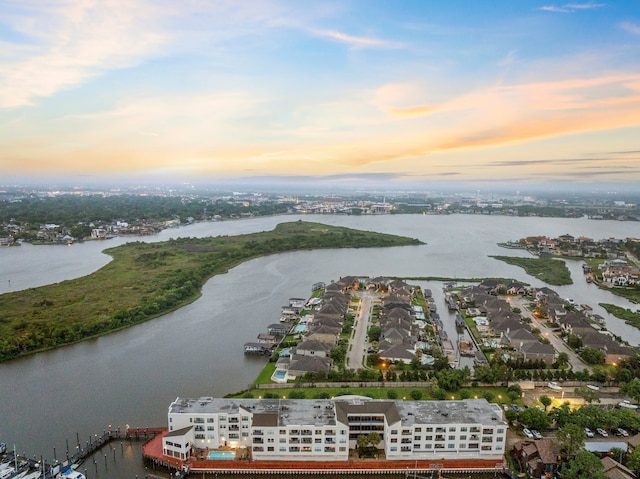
{"x":505,"y":407}
{"x":527,"y":433}
{"x":515,"y":407}
{"x":627,"y":405}
{"x":588,"y":432}
{"x":602,"y":432}
{"x":622,"y":432}
{"x":554,"y":385}
{"x":536,"y":434}
{"x":593,"y":388}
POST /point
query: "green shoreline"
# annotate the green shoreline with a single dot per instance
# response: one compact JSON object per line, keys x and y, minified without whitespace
{"x":147,"y":280}
{"x":551,"y":271}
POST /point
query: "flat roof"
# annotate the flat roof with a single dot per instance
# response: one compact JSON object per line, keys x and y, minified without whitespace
{"x":299,"y":412}
{"x":326,"y":412}
{"x":466,"y":411}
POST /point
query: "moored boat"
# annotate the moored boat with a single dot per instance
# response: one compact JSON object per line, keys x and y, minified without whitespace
{"x":69,"y":473}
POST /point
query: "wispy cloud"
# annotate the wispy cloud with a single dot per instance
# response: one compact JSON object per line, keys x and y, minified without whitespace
{"x":509,"y":59}
{"x":420,"y":110}
{"x":631,"y":27}
{"x":358,"y":42}
{"x":551,"y":8}
{"x":65,"y":43}
{"x":571,"y":7}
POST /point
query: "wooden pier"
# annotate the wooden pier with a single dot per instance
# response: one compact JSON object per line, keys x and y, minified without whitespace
{"x":94,"y":444}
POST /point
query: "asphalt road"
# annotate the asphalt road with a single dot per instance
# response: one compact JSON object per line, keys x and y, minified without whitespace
{"x":358,"y":342}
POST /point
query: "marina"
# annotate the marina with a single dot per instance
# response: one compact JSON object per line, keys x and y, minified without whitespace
{"x":14,"y":465}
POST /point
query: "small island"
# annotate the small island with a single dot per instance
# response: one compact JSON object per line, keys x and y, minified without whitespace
{"x":551,"y":271}
{"x":147,"y":280}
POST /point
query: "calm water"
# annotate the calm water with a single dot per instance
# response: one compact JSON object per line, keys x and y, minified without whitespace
{"x":130,"y":377}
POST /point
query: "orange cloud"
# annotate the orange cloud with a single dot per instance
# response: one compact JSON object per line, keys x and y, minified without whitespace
{"x":413,"y":110}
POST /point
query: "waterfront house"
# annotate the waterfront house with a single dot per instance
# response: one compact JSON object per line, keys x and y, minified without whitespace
{"x":333,"y":287}
{"x":314,"y":347}
{"x":299,"y":365}
{"x":332,"y":308}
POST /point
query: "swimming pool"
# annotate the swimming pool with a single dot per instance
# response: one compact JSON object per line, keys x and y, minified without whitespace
{"x":279,"y":374}
{"x":221,"y":455}
{"x":300,"y":328}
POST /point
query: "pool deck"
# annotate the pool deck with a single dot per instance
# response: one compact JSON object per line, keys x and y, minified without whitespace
{"x":152,"y":450}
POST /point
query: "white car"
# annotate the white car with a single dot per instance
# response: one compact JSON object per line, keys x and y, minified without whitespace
{"x":588,"y":432}
{"x":554,"y":385}
{"x":527,"y":433}
{"x":536,"y":434}
{"x":602,"y":432}
{"x":622,"y":432}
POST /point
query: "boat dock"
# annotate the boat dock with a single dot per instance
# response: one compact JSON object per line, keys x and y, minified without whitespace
{"x":94,"y":444}
{"x":257,"y":348}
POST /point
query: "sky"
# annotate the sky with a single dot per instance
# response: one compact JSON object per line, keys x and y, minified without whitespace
{"x":400,"y":92}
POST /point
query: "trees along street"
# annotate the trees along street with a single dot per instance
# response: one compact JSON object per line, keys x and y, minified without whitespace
{"x":358,"y":342}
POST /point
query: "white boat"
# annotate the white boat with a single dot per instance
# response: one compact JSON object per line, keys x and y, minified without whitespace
{"x":69,"y":473}
{"x":6,"y":472}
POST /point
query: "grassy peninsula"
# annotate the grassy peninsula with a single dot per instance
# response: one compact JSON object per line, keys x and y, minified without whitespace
{"x":551,"y":271}
{"x":146,"y":280}
{"x":629,"y":316}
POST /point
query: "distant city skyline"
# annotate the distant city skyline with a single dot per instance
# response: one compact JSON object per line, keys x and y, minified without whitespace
{"x":395,"y":93}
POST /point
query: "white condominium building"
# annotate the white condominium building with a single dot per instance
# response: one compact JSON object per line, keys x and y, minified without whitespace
{"x":325,"y":429}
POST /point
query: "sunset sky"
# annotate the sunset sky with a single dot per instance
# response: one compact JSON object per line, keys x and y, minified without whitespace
{"x":402,"y":91}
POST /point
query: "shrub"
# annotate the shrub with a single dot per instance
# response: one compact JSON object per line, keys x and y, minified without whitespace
{"x":416,"y":394}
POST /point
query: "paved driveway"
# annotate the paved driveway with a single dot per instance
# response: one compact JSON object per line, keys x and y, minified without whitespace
{"x":358,"y":342}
